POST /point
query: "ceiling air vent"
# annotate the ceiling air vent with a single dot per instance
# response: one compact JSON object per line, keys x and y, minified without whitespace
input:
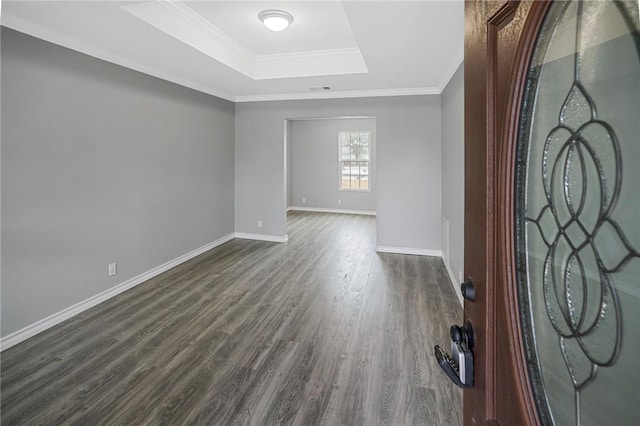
{"x":320,"y":89}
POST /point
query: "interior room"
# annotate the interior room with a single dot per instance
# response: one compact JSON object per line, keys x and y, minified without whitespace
{"x":318,"y":178}
{"x":207,"y":221}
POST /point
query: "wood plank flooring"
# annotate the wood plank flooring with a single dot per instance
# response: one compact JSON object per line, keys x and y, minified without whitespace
{"x":321,"y":330}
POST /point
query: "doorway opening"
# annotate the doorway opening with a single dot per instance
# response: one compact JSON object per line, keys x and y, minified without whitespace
{"x":330,"y":164}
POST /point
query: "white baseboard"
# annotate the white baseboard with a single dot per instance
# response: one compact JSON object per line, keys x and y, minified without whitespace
{"x":324,"y":210}
{"x":48,"y":322}
{"x":262,"y":237}
{"x":407,"y":250}
{"x":454,"y":282}
{"x":52,"y":320}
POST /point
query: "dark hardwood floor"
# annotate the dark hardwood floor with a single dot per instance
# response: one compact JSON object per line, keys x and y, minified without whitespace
{"x":321,"y":330}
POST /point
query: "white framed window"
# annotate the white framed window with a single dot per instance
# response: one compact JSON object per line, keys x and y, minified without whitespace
{"x":354,"y":160}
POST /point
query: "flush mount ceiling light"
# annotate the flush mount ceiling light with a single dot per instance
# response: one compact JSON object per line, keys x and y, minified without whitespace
{"x":275,"y":20}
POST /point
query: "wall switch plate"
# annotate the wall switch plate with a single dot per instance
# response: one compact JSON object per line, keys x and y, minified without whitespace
{"x":259,"y":224}
{"x":112,"y":269}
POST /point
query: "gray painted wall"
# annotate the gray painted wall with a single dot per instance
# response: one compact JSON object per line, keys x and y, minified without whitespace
{"x":453,"y":168}
{"x":314,"y":173}
{"x":101,"y":164}
{"x":408,"y":176}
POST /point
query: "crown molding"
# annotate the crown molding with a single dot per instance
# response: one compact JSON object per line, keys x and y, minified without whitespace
{"x":27,"y":27}
{"x":37,"y":31}
{"x":179,"y":21}
{"x":193,"y":17}
{"x":457,"y":60}
{"x":339,"y":94}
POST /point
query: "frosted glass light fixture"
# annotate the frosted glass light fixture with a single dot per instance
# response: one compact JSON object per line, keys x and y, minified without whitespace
{"x":275,"y":20}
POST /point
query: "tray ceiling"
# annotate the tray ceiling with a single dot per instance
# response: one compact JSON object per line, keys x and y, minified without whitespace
{"x":357,"y":48}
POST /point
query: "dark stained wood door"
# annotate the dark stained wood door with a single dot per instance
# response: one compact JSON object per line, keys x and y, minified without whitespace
{"x":498,"y":40}
{"x":551,"y":185}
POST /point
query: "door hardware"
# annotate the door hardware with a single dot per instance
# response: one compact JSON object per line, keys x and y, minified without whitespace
{"x":459,"y":365}
{"x":468,"y":289}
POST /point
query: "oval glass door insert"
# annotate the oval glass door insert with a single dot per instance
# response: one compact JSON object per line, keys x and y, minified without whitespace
{"x":578,"y":214}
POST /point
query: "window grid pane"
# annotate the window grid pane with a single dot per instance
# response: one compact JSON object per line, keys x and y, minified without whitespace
{"x":354,"y":174}
{"x":354,"y":160}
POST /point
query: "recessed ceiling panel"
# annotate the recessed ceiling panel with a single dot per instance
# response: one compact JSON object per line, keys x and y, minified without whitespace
{"x":319,"y":25}
{"x":300,"y":54}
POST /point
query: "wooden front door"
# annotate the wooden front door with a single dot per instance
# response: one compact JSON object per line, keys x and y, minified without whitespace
{"x":551,"y":236}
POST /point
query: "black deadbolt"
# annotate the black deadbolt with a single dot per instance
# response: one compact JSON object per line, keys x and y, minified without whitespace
{"x":468,"y":290}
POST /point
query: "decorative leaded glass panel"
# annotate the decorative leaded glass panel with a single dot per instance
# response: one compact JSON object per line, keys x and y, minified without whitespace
{"x":578,"y":214}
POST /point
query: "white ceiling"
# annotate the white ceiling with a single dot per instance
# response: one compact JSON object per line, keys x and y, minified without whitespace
{"x":357,"y":48}
{"x":316,"y":26}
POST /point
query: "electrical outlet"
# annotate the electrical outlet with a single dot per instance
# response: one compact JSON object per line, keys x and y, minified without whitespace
{"x":259,"y":224}
{"x":112,"y":269}
{"x":304,"y":200}
{"x":339,"y":202}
